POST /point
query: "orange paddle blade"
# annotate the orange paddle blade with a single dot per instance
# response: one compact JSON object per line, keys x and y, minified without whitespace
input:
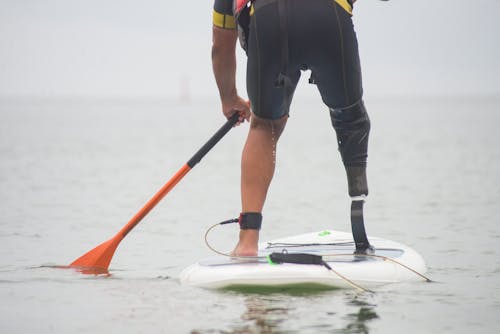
{"x":99,"y":257}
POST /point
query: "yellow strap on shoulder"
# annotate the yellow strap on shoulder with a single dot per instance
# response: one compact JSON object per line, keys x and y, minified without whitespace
{"x":344,"y":4}
{"x":223,"y":21}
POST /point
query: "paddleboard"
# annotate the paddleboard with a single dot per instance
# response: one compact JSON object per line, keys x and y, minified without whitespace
{"x":337,"y":249}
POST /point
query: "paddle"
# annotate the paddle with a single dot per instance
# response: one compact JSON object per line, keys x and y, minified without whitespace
{"x":98,"y":259}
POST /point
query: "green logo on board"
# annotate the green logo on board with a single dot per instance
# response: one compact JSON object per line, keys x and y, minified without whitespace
{"x":324,"y":233}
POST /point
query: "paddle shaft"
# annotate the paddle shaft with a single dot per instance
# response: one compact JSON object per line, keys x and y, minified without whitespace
{"x":178,"y":176}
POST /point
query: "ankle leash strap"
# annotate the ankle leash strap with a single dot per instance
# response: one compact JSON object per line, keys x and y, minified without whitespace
{"x":250,"y":220}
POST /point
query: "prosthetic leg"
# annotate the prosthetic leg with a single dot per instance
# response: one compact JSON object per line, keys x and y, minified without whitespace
{"x":352,"y":126}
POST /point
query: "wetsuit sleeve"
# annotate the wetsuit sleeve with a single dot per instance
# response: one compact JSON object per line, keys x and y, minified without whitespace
{"x":223,"y":14}
{"x":346,"y":4}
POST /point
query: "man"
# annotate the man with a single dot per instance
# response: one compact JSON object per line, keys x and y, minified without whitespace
{"x":281,"y":38}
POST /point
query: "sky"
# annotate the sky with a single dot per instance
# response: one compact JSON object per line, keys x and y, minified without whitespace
{"x":161,"y":49}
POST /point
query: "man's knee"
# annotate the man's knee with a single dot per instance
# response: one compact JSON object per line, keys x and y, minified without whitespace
{"x":352,"y":126}
{"x":276,"y":126}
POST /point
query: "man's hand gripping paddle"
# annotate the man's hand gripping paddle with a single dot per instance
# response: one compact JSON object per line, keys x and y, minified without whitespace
{"x":97,"y":260}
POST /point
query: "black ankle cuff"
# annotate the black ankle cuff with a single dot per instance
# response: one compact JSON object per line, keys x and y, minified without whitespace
{"x":250,"y":220}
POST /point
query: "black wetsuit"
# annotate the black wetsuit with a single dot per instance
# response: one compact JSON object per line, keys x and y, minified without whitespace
{"x":320,"y":38}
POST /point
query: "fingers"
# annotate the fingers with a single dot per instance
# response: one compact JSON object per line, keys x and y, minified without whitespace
{"x":249,"y":110}
{"x":240,"y":106}
{"x":242,"y":117}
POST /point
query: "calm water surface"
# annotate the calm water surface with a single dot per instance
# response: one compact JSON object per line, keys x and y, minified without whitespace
{"x":72,"y":173}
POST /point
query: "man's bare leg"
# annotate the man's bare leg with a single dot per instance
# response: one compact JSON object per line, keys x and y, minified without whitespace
{"x":257,"y":169}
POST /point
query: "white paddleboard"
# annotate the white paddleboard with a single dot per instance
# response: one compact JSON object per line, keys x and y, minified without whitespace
{"x":226,"y":272}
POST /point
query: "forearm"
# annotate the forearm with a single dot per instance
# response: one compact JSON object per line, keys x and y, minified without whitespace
{"x":224,"y":61}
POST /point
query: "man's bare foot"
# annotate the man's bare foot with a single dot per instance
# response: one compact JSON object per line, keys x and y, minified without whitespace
{"x":248,"y":244}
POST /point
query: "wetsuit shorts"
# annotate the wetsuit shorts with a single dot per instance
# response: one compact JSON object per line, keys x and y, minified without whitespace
{"x":320,"y":37}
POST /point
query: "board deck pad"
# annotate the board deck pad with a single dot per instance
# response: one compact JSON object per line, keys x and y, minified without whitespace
{"x":337,"y":249}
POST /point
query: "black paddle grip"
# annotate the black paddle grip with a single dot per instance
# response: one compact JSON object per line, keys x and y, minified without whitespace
{"x":214,"y":140}
{"x":299,"y":258}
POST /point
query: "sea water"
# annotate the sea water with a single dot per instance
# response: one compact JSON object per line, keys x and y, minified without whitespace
{"x":73,"y":172}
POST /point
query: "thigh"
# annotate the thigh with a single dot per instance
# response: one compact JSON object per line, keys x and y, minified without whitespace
{"x":264,"y":65}
{"x":330,"y":50}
